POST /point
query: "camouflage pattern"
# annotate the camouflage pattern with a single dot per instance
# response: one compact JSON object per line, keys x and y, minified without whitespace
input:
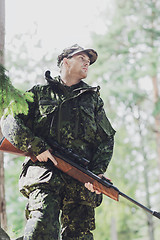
{"x":47,"y":199}
{"x":70,"y":51}
{"x":3,"y":235}
{"x":75,"y":118}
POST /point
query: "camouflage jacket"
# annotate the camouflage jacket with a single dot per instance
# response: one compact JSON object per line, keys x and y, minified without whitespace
{"x":72,"y":116}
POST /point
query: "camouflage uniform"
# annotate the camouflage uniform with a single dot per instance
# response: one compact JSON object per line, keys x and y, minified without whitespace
{"x":74,"y":117}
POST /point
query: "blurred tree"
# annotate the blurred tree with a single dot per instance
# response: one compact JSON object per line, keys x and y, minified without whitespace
{"x":27,"y":61}
{"x":130,"y":52}
{"x":129,"y":65}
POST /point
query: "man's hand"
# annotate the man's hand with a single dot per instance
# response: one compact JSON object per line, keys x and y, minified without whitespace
{"x":89,"y":185}
{"x":43,"y":157}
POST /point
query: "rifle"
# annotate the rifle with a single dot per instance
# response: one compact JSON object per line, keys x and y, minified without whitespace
{"x":76,"y":167}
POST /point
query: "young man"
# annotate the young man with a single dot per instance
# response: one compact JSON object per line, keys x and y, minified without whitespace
{"x":70,"y":112}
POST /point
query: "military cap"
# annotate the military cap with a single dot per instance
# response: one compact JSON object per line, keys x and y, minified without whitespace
{"x":70,"y":51}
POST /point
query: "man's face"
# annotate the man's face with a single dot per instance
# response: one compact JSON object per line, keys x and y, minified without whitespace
{"x":78,"y":65}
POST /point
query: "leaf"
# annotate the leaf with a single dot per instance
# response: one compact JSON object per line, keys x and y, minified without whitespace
{"x":12,"y":98}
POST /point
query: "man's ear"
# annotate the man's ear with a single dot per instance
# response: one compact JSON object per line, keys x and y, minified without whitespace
{"x":65,"y":61}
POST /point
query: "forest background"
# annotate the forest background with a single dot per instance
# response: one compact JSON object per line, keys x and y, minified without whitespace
{"x":126,"y":35}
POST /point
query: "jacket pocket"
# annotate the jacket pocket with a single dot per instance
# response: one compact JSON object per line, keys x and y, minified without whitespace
{"x":45,"y":116}
{"x":104,"y":123}
{"x":47,"y":107}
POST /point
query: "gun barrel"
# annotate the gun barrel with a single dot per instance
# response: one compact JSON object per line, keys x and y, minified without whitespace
{"x":154,"y":213}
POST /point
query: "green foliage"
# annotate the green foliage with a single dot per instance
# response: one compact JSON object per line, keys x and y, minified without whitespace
{"x":12,"y":98}
{"x":15,"y":200}
{"x":128,"y":57}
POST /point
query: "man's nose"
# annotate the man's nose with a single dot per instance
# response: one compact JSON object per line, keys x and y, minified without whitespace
{"x":86,"y":63}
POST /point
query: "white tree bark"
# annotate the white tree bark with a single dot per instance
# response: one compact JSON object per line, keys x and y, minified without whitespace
{"x":114,"y":235}
{"x":3,"y":219}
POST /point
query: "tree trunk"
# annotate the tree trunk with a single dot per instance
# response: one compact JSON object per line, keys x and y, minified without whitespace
{"x":156,"y":94}
{"x":113,"y":229}
{"x":149,"y":217}
{"x":146,"y":182}
{"x":2,"y":30}
{"x":157,"y":118}
{"x":3,"y":218}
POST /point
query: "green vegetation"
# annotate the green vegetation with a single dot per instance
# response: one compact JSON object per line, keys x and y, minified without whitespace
{"x":11,"y":97}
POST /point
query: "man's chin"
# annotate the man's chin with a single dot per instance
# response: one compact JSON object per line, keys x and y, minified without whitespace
{"x":84,"y":75}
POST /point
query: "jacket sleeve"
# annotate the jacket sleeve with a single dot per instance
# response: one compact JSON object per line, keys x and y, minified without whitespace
{"x":18,"y":130}
{"x":104,"y":141}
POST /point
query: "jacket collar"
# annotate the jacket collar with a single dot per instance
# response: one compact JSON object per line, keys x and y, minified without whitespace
{"x":79,"y":87}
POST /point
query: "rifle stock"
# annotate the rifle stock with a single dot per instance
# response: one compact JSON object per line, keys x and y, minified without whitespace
{"x":69,"y":167}
{"x":6,"y":146}
{"x":79,"y":172}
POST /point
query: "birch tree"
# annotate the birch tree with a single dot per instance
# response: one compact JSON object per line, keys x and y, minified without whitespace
{"x":2,"y":191}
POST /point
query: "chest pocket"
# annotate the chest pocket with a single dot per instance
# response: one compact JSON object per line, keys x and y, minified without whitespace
{"x":44,"y":116}
{"x":47,"y":107}
{"x":47,"y":112}
{"x":88,"y":122}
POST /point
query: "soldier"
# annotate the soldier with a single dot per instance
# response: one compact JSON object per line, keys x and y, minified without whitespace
{"x":70,"y":112}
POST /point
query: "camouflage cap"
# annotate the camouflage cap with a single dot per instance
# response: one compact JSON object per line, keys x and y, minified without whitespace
{"x":70,"y":51}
